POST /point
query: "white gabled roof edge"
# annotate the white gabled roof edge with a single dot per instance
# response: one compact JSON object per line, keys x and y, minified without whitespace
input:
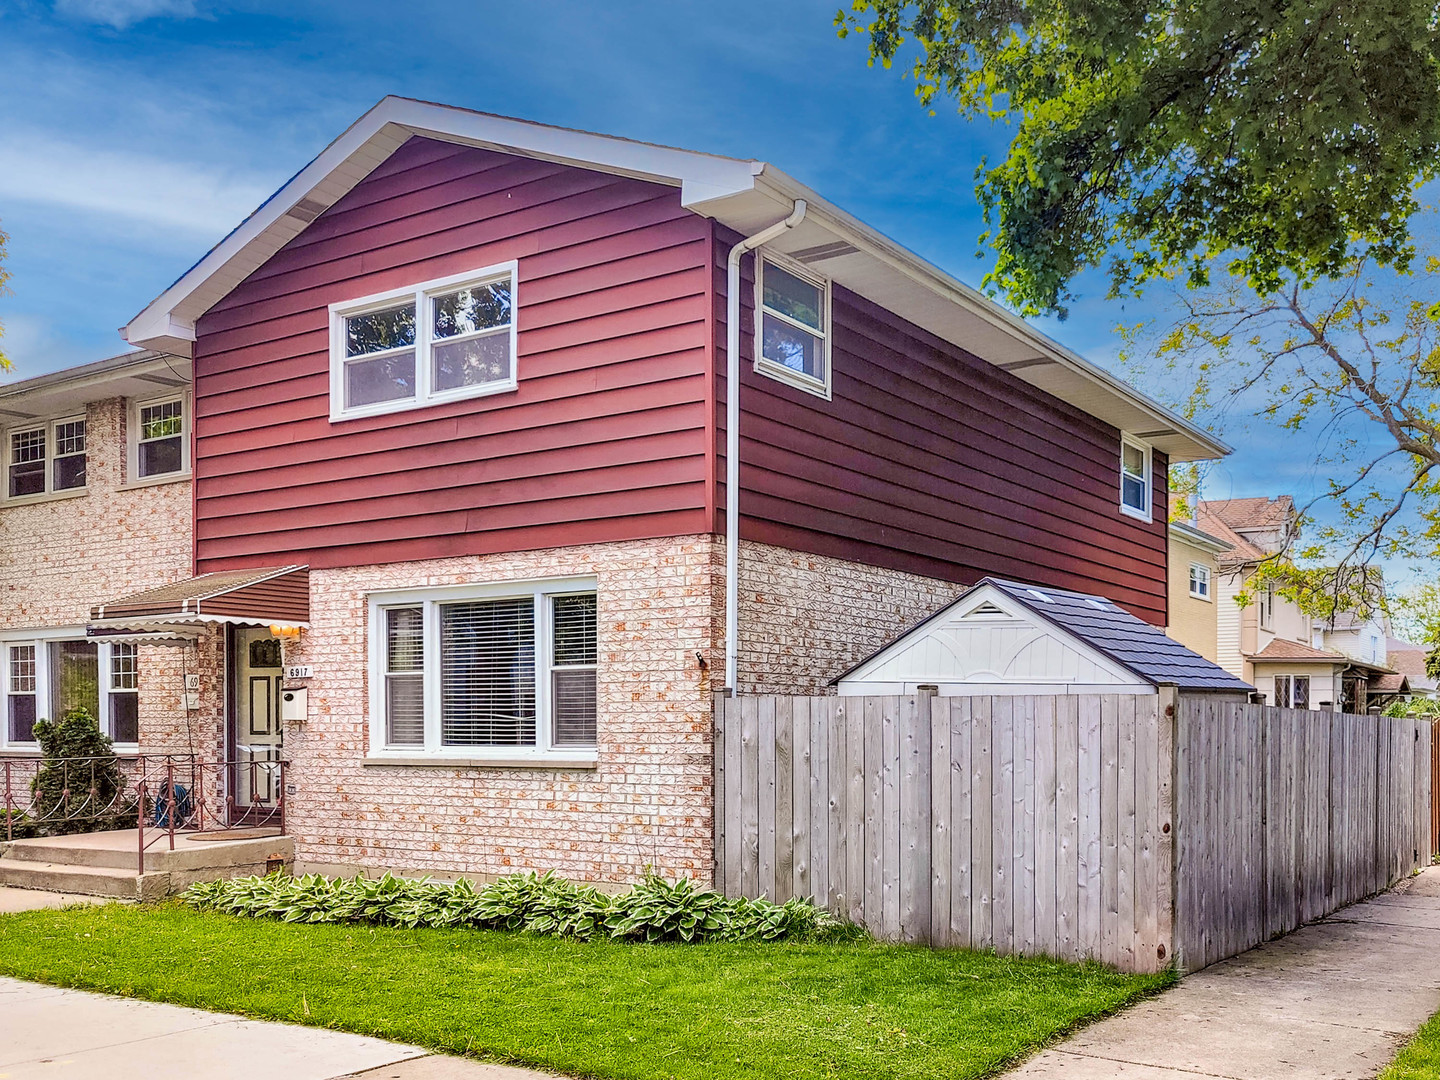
{"x":730,"y":190}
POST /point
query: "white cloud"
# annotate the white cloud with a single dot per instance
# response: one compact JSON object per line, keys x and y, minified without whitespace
{"x":124,"y":13}
{"x":206,"y":202}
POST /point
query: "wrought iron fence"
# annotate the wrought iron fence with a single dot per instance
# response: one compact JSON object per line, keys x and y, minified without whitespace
{"x":157,"y":795}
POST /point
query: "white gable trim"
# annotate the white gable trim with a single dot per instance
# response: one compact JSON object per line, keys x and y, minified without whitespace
{"x":741,"y":194}
{"x":989,"y":642}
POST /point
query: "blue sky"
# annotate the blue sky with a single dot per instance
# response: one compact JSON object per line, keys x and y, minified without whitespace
{"x":136,"y":133}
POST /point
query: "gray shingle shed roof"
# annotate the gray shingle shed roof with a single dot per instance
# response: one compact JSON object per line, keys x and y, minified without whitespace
{"x":1129,"y":641}
{"x":1098,"y":622}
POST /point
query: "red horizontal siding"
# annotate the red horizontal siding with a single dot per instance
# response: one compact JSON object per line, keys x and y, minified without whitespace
{"x":931,"y":461}
{"x":605,"y":439}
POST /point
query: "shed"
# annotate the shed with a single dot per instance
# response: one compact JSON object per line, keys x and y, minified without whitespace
{"x":1003,"y":637}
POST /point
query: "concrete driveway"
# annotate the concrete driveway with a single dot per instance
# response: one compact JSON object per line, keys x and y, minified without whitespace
{"x":1335,"y":1000}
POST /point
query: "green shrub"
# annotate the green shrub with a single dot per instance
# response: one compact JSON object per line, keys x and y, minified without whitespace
{"x":653,"y":911}
{"x":14,"y":825}
{"x":79,"y":785}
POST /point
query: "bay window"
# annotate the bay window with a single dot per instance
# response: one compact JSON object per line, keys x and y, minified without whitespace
{"x":47,"y":676}
{"x":437,"y":341}
{"x":496,"y":671}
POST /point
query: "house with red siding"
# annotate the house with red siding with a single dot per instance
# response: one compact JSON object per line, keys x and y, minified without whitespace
{"x":512,"y":444}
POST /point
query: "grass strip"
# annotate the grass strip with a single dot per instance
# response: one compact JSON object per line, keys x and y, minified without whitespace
{"x":587,"y":1009}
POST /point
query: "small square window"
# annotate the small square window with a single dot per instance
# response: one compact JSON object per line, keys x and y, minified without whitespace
{"x":1199,"y":581}
{"x":793,"y":327}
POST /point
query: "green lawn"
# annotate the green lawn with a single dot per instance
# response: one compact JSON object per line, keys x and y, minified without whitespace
{"x":588,"y":1009}
{"x":1420,"y":1060}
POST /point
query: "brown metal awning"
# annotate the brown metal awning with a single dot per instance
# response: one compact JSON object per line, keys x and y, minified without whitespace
{"x":264,"y":596}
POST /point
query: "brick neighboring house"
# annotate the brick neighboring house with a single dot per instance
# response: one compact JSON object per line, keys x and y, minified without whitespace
{"x":460,"y":436}
{"x":96,"y":502}
{"x":1291,"y":658}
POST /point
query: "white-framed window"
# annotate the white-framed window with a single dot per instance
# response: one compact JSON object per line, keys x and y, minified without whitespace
{"x":497,"y":671}
{"x":437,"y":341}
{"x":1265,"y":603}
{"x":45,"y":458}
{"x":1135,"y":478}
{"x":1292,"y":691}
{"x":792,"y":324}
{"x":49,"y":672}
{"x":159,"y":438}
{"x":1200,"y":581}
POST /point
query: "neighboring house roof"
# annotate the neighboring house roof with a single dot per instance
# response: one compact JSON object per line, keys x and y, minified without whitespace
{"x":1186,"y":533}
{"x":1258,"y":513}
{"x":743,"y":195}
{"x":1409,"y":660}
{"x":1389,"y":684}
{"x":1281,"y":651}
{"x":1241,"y":550}
{"x":1135,"y":645}
{"x":136,"y":374}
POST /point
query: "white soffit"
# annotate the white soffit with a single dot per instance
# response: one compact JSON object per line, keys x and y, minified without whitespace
{"x":141,"y":374}
{"x":743,"y":195}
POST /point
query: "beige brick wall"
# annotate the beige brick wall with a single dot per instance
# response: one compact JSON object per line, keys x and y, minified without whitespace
{"x":61,"y":556}
{"x":647,"y":804}
{"x":804,"y":619}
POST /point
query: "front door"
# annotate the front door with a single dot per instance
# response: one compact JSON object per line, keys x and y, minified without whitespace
{"x":255,"y":723}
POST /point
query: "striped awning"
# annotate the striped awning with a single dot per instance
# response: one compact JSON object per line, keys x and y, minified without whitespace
{"x":263,"y":596}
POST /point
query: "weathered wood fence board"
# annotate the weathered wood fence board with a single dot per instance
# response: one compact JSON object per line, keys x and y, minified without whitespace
{"x":1133,"y":830}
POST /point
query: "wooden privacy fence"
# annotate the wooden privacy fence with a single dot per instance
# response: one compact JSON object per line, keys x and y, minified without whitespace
{"x":1136,"y":830}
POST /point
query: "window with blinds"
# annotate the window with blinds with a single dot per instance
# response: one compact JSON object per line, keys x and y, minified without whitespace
{"x":487,"y":672}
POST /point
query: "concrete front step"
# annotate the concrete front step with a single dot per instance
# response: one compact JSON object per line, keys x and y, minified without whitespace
{"x":83,"y":880}
{"x":106,"y":863}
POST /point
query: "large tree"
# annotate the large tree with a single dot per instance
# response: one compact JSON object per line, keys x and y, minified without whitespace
{"x":1152,"y":137}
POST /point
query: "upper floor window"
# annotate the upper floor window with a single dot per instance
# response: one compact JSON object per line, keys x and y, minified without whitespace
{"x":1135,"y":478}
{"x":486,"y":671}
{"x":793,"y":327}
{"x":160,"y":444}
{"x":1199,"y":581}
{"x":46,"y":458}
{"x":1267,"y":607}
{"x":438,"y":341}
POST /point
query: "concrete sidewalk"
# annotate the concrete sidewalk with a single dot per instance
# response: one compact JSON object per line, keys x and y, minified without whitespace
{"x":48,"y":1033}
{"x":1334,"y":1000}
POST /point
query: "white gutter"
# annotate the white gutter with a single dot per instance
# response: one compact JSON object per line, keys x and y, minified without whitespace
{"x":732,"y":435}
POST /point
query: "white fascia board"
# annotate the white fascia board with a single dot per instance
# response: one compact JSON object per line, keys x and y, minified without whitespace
{"x":784,"y":189}
{"x":1190,"y":535}
{"x":170,"y":318}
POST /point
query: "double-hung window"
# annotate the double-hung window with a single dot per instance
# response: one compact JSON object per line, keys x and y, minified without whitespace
{"x":434,"y":342}
{"x":46,"y":459}
{"x":497,"y":671}
{"x":45,"y":677}
{"x":792,"y":325}
{"x":1134,"y":478}
{"x":159,"y":438}
{"x":1266,"y":606}
{"x":1199,"y":581}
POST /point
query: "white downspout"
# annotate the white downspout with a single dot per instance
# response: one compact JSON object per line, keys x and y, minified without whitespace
{"x":732,"y":435}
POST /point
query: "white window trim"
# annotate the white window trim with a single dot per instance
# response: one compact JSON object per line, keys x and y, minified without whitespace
{"x":42,"y":639}
{"x":779,"y":372}
{"x":432,"y":753}
{"x":420,"y":294}
{"x":1265,"y":609}
{"x":1144,"y":448}
{"x":1208,"y":578}
{"x":49,"y":493}
{"x":133,"y":479}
